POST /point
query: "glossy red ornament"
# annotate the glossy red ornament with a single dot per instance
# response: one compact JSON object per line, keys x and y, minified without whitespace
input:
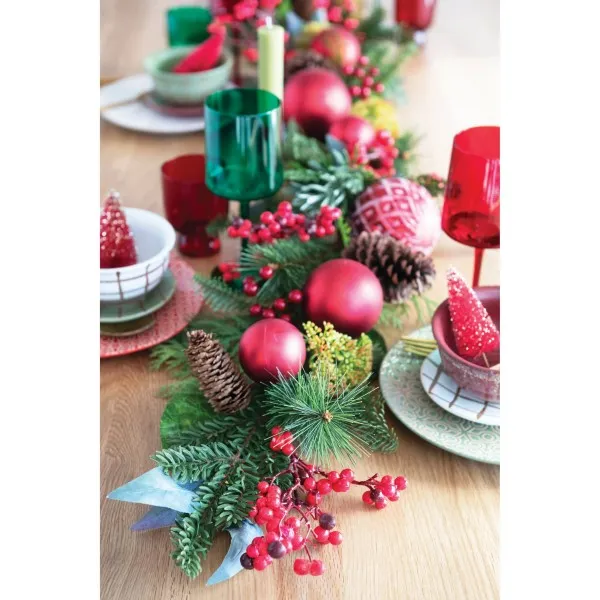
{"x":337,"y":44}
{"x":346,"y":294}
{"x":316,"y":98}
{"x":269,"y":346}
{"x":352,"y":130}
{"x":402,"y":208}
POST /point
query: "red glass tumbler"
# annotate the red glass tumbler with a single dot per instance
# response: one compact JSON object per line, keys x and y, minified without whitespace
{"x":471,"y":213}
{"x":190,"y":205}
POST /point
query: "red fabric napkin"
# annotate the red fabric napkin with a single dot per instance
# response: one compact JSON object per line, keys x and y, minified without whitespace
{"x":204,"y":57}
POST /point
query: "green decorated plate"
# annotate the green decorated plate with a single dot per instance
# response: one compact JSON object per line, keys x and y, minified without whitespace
{"x":129,"y":310}
{"x":400,"y":383}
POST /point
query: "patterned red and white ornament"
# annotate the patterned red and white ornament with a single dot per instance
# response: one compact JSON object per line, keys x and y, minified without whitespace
{"x":403,"y":209}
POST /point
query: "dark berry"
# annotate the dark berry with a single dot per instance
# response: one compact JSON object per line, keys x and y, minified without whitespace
{"x":276,"y":549}
{"x":377,"y":495}
{"x":237,"y":222}
{"x":327,"y":521}
{"x":246,"y":561}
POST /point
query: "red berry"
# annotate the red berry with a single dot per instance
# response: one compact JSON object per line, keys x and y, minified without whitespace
{"x":274,"y":490}
{"x":263,"y":547}
{"x":266,"y":217}
{"x":324,"y":486}
{"x":321,"y":232}
{"x":394,"y":497}
{"x":246,"y":225}
{"x":336,"y":213}
{"x":261,"y":503}
{"x":287,"y":532}
{"x":365,"y":92}
{"x":309,"y":484}
{"x":250,"y":289}
{"x":228,"y":276}
{"x":295,"y":296}
{"x":330,"y":230}
{"x":274,"y":502}
{"x":321,"y":534}
{"x":253,"y":238}
{"x":275,"y":430}
{"x":348,"y":70}
{"x":284,"y":208}
{"x":347,"y":474}
{"x":274,"y":228}
{"x":261,"y":563}
{"x":288,"y":449}
{"x":272,"y":525}
{"x":386,"y":479}
{"x":265,"y":513}
{"x":279,"y":513}
{"x":313,"y":498}
{"x":400,"y":482}
{"x":287,"y":437}
{"x":293,"y":522}
{"x":333,"y":476}
{"x":224,"y":267}
{"x":343,"y":485}
{"x":232,"y":232}
{"x":286,"y":318}
{"x":381,"y":503}
{"x":355,"y":90}
{"x":363,"y":60}
{"x":298,"y":542}
{"x":316,"y":567}
{"x":374,"y":71}
{"x":279,"y":304}
{"x":366,"y":498}
{"x":267,"y":313}
{"x":288,"y":544}
{"x":253,"y":512}
{"x":276,"y":443}
{"x":271,"y":537}
{"x":389,"y":490}
{"x":360,"y":73}
{"x":379,"y":88}
{"x":335,"y":538}
{"x":266,"y":272}
{"x":262,"y":487}
{"x":303,"y":236}
{"x":301,"y":566}
{"x":256,"y":541}
{"x":252,"y":551}
{"x":264,"y":235}
{"x":368,"y":81}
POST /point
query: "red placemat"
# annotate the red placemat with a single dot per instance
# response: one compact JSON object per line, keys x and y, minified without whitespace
{"x":170,"y":319}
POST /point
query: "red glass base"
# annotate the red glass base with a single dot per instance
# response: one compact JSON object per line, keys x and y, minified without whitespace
{"x":198,"y":243}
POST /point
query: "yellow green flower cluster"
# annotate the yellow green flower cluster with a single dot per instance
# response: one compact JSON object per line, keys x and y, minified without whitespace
{"x":337,"y":354}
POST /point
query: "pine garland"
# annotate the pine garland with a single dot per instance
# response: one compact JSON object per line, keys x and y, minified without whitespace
{"x":220,"y":297}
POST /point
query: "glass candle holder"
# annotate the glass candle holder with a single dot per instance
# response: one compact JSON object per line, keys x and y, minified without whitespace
{"x":187,"y":25}
{"x":471,"y":213}
{"x":243,"y":145}
{"x":190,"y":205}
{"x":416,"y":15}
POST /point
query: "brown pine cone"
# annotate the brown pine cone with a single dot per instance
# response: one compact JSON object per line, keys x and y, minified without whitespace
{"x":400,"y":271}
{"x":303,"y":59}
{"x":221,"y":381}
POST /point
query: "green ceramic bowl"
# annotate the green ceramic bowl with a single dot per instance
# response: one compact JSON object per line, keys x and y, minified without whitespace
{"x":185,"y":88}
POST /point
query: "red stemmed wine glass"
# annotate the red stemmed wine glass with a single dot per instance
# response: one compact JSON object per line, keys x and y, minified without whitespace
{"x":190,"y":206}
{"x":471,"y":213}
{"x":416,"y":15}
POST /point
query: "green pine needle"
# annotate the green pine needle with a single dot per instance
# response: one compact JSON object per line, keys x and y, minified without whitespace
{"x":220,"y":297}
{"x":326,"y":420}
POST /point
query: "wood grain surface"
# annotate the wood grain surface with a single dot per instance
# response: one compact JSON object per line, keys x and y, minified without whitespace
{"x":440,"y":542}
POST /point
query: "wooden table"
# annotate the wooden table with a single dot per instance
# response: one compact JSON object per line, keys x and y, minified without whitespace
{"x":440,"y":542}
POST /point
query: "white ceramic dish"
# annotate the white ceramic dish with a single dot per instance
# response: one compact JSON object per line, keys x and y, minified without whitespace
{"x":154,"y":239}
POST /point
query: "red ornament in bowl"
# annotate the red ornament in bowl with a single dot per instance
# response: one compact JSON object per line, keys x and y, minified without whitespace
{"x":270,"y":347}
{"x":344,"y":293}
{"x":469,"y":374}
{"x":316,"y":98}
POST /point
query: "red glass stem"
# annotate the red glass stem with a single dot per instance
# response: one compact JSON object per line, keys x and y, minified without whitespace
{"x":477,"y":266}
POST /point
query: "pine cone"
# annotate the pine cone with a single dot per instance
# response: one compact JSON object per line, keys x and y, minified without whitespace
{"x":303,"y":59}
{"x":221,"y":381}
{"x":400,"y":271}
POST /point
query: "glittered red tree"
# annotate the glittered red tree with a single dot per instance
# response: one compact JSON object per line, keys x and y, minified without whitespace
{"x":474,"y":330}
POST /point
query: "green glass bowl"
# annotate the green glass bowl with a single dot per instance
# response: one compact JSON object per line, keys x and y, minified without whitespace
{"x":185,"y":88}
{"x":243,"y":145}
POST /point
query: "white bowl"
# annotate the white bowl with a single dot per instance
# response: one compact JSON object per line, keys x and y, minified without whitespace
{"x":154,"y":239}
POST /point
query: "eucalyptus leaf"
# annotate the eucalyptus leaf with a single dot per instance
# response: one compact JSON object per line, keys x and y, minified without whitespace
{"x":155,"y":488}
{"x":156,"y":518}
{"x":240,"y":539}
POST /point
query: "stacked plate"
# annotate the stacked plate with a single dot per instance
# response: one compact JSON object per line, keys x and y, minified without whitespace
{"x":430,"y":403}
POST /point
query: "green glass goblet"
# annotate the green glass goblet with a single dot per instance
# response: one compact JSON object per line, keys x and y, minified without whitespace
{"x":243,"y":145}
{"x":187,"y":25}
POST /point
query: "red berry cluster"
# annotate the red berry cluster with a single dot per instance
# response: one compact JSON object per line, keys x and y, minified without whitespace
{"x":285,"y":224}
{"x":361,"y":80}
{"x":432,"y":182}
{"x":277,"y":309}
{"x":340,"y":13}
{"x":379,"y":155}
{"x":309,"y":526}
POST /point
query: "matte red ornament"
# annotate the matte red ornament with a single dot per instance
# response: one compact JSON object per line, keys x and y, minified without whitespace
{"x":316,"y":98}
{"x":402,"y":208}
{"x":474,"y":330}
{"x":117,"y":246}
{"x":337,"y":44}
{"x":269,"y":346}
{"x":352,"y":130}
{"x":204,"y":57}
{"x":344,"y":293}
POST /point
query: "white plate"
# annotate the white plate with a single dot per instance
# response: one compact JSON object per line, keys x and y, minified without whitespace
{"x":137,"y":116}
{"x":445,"y":392}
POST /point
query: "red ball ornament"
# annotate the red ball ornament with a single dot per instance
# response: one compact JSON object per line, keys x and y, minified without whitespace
{"x":269,"y":346}
{"x":337,"y":44}
{"x":315,"y":98}
{"x":346,"y":294}
{"x":402,"y":208}
{"x":353,"y":130}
